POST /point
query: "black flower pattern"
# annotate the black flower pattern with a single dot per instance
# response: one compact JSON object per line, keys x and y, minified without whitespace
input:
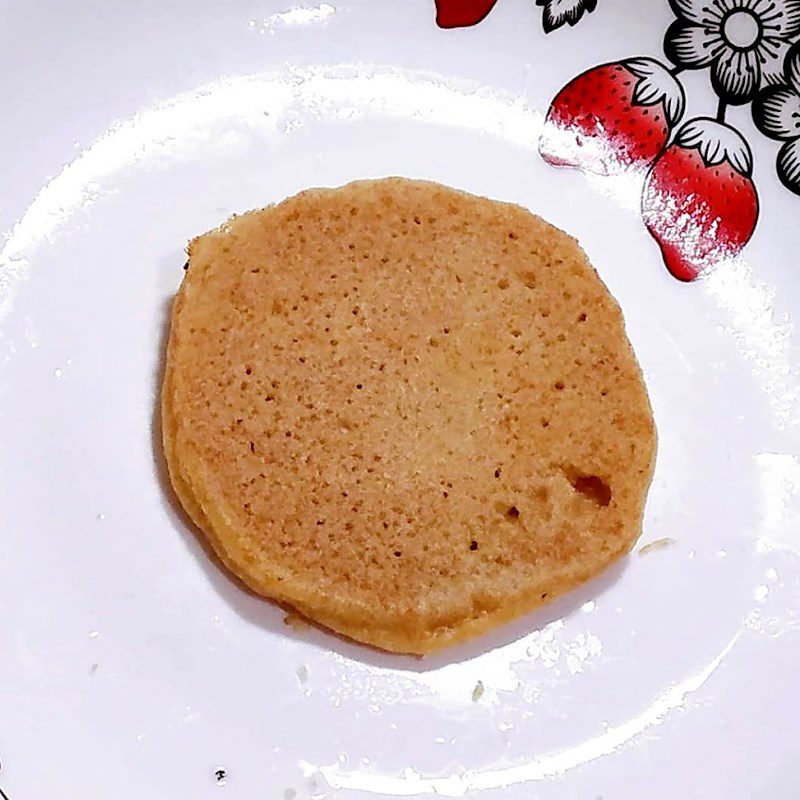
{"x":776,"y":112}
{"x":558,"y":12}
{"x":744,"y":42}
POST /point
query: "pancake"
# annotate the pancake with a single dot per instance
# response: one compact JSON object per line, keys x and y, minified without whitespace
{"x":410,"y":413}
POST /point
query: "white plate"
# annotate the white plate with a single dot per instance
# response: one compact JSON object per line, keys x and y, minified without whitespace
{"x":132,"y":667}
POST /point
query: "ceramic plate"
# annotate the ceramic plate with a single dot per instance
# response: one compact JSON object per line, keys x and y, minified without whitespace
{"x":664,"y":135}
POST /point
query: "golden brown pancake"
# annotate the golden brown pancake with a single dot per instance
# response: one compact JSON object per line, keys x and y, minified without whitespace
{"x":410,"y":413}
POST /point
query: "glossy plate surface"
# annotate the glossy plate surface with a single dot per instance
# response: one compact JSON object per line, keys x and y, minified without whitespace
{"x":131,"y":665}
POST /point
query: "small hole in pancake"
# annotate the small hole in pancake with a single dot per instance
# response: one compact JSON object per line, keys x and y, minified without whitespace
{"x":545,"y":423}
{"x":513,"y":513}
{"x":473,"y":545}
{"x":497,"y":473}
{"x":559,"y":386}
{"x":593,"y":488}
{"x":582,"y":318}
{"x":397,"y":554}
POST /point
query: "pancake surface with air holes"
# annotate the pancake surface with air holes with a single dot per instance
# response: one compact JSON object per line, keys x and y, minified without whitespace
{"x":410,"y":413}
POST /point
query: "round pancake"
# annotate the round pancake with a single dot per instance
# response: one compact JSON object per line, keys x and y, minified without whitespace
{"x":411,"y":413}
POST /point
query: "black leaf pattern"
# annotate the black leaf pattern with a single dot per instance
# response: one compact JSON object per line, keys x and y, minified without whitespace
{"x":558,"y":12}
{"x":789,"y":166}
{"x":776,"y":113}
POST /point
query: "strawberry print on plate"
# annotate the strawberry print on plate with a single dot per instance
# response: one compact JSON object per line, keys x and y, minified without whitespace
{"x":613,"y":118}
{"x":699,"y":201}
{"x":555,"y":13}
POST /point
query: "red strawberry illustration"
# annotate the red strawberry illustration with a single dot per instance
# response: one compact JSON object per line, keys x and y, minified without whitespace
{"x":461,"y":13}
{"x":613,"y":118}
{"x":699,"y":202}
